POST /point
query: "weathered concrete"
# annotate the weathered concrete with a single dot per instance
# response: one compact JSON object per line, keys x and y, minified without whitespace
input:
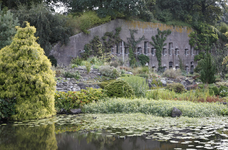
{"x":177,"y":42}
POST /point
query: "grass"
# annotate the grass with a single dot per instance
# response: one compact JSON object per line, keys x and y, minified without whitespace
{"x":156,"y":107}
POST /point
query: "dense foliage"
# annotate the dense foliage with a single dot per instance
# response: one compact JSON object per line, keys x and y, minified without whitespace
{"x":119,"y":88}
{"x":72,"y":100}
{"x":7,"y":108}
{"x":143,"y":59}
{"x":7,"y":28}
{"x":157,"y":108}
{"x":51,"y":28}
{"x":207,"y":69}
{"x":26,"y":76}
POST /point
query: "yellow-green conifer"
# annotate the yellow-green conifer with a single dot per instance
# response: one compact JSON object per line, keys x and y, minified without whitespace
{"x":26,"y":76}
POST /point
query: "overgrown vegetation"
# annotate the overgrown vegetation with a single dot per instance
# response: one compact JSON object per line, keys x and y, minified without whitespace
{"x":73,"y":100}
{"x":157,"y":108}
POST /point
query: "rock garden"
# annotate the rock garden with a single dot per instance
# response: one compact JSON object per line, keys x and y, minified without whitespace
{"x":102,"y":102}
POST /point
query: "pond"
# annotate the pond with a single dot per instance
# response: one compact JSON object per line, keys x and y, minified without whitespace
{"x":115,"y":132}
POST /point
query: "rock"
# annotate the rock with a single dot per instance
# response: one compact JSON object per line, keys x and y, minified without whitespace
{"x":164,"y":83}
{"x":176,"y":112}
{"x":62,"y":111}
{"x":75,"y":111}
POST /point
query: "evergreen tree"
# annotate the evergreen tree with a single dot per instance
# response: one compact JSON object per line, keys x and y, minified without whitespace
{"x":26,"y":76}
{"x":7,"y":28}
{"x":207,"y":73}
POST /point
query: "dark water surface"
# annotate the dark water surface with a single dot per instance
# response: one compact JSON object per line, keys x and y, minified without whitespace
{"x":52,"y":136}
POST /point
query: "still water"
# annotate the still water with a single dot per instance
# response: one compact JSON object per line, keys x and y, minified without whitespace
{"x":56,"y":134}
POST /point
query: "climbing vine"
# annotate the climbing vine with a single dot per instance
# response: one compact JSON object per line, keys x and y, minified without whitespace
{"x":110,"y":39}
{"x":132,"y":42}
{"x":132,"y":46}
{"x":158,"y":43}
{"x":143,"y":59}
{"x":95,"y":47}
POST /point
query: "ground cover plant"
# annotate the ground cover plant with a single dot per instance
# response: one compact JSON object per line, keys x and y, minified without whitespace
{"x":156,"y":107}
{"x":26,"y":76}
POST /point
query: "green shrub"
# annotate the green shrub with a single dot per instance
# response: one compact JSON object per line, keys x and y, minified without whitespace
{"x":72,"y":100}
{"x":26,"y":76}
{"x":109,"y":71}
{"x":104,"y":83}
{"x":156,"y":83}
{"x":90,"y":19}
{"x":119,"y":88}
{"x":170,"y":73}
{"x":143,"y":59}
{"x":138,"y":84}
{"x":7,"y":108}
{"x":176,"y":87}
{"x":52,"y":60}
{"x":214,"y":89}
{"x":75,"y":75}
{"x":223,"y":91}
{"x":77,"y":61}
{"x":88,"y":67}
{"x":155,"y":107}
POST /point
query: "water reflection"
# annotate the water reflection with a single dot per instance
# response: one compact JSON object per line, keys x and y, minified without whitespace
{"x":28,"y":138}
{"x":69,"y":133}
{"x":91,"y":141}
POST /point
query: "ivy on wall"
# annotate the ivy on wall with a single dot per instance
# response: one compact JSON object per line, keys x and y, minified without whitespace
{"x":143,"y":59}
{"x":132,"y":42}
{"x":110,"y":39}
{"x":158,"y":43}
{"x":95,"y":47}
{"x":132,"y":46}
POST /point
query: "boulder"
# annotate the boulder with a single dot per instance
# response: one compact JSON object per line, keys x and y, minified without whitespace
{"x":176,"y":112}
{"x":163,"y":81}
{"x":75,"y":111}
{"x":62,"y":111}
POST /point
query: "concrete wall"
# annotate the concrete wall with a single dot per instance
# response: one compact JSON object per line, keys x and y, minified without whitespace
{"x":178,"y":39}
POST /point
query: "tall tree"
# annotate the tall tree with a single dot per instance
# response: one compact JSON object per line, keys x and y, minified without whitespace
{"x":7,"y":27}
{"x":112,"y":8}
{"x":207,"y":73}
